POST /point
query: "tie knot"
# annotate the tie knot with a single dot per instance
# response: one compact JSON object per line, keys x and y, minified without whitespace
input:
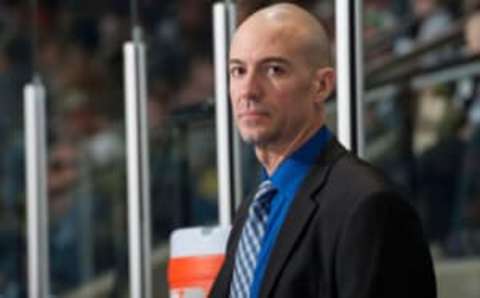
{"x":265,"y":192}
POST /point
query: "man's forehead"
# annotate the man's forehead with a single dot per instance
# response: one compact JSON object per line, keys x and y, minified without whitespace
{"x":261,"y":50}
{"x":256,"y":35}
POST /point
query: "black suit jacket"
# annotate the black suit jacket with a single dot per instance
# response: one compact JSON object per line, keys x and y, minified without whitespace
{"x":346,"y":235}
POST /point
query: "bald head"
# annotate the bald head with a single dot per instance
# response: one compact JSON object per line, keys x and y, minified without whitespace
{"x":279,"y":80}
{"x":294,"y":25}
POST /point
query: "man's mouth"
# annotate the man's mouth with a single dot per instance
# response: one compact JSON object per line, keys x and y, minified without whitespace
{"x":252,"y":114}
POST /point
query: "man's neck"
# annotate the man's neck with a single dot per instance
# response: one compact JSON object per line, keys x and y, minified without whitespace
{"x":271,"y":156}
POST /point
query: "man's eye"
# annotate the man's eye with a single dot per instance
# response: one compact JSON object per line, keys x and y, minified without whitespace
{"x":275,"y":70}
{"x":236,"y":71}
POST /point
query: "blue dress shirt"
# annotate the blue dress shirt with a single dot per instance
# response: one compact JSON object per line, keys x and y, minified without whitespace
{"x":287,"y":179}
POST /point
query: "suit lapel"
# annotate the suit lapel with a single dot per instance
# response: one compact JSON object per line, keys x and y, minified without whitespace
{"x":301,"y":211}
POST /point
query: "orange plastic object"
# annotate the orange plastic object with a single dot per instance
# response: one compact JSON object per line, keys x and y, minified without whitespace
{"x":194,"y":271}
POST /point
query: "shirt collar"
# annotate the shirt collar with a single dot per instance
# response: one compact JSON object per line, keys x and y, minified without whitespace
{"x":296,"y":166}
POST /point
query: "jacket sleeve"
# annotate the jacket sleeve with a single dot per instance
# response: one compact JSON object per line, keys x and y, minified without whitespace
{"x":382,"y":252}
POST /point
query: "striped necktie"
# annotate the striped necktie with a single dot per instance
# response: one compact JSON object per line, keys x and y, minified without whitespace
{"x":251,"y":241}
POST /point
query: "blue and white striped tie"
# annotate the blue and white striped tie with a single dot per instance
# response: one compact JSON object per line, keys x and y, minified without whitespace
{"x":250,"y":241}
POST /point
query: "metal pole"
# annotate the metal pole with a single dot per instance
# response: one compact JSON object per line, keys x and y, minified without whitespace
{"x":224,"y":123}
{"x":137,"y":168}
{"x":350,"y":74}
{"x":359,"y":77}
{"x":37,"y":205}
{"x":237,"y":141}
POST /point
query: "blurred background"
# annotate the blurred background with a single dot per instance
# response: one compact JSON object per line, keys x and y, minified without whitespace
{"x":422,"y":120}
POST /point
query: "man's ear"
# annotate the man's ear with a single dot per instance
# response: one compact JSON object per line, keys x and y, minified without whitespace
{"x":324,"y":83}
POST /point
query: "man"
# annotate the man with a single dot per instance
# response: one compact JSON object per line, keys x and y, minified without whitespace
{"x":323,"y":223}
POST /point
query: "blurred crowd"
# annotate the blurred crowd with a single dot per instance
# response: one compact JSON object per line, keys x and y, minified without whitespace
{"x":437,"y":154}
{"x":79,"y":59}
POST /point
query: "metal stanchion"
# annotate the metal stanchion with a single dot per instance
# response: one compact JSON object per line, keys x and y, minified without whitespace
{"x":350,"y":74}
{"x":228,"y":143}
{"x":137,"y":168}
{"x":37,"y":204}
{"x":237,"y":142}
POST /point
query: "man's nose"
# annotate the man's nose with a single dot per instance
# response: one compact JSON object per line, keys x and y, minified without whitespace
{"x":251,"y":88}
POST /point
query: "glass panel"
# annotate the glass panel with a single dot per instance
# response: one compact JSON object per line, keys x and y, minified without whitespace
{"x":86,"y":144}
{"x":423,"y":133}
{"x":182,"y":127}
{"x":426,"y":139}
{"x":80,"y":57}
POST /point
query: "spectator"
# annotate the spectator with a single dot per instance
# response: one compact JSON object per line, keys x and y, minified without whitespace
{"x":431,"y":20}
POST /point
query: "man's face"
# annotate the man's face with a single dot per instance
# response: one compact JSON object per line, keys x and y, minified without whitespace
{"x":271,"y":86}
{"x":422,"y":8}
{"x":472,"y":34}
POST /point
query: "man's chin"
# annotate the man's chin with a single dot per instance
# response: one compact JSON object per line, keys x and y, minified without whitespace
{"x":258,"y":140}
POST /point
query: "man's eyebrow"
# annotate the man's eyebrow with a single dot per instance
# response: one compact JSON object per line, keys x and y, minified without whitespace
{"x":235,"y":61}
{"x":267,"y":60}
